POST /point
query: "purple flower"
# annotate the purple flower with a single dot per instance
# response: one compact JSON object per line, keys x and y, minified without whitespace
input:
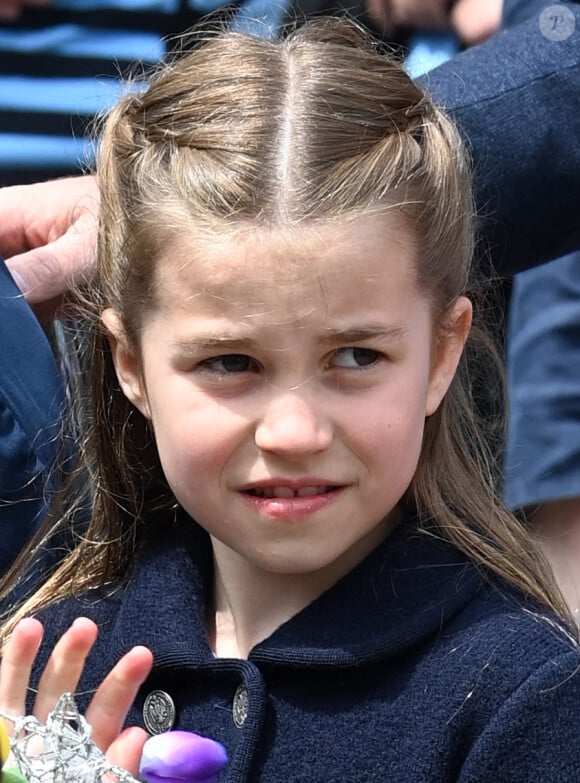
{"x":182,"y":757}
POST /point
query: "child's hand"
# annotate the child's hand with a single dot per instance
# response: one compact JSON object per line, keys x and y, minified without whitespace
{"x":108,"y":708}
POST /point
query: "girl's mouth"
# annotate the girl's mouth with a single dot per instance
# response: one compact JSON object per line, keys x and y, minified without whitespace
{"x":289,"y":492}
{"x":289,"y":504}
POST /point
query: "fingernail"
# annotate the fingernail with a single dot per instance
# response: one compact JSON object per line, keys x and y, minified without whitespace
{"x":19,"y":279}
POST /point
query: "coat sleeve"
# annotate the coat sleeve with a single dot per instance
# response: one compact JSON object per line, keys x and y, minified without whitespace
{"x":31,"y":400}
{"x":534,"y":735}
{"x":516,"y":99}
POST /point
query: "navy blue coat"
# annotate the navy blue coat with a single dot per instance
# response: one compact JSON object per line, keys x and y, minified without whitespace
{"x":516,"y":100}
{"x":410,"y":669}
{"x":31,"y":399}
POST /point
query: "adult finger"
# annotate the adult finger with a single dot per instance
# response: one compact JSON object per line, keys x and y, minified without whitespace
{"x":65,"y":665}
{"x":32,"y":216}
{"x":17,"y":660}
{"x":110,"y":704}
{"x":47,"y":272}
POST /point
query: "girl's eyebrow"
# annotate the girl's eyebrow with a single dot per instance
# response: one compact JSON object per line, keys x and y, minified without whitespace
{"x":236,"y":342}
{"x":358,"y":334}
{"x":214,"y":341}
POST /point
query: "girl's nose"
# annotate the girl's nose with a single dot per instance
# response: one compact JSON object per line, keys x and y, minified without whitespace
{"x":292,"y":426}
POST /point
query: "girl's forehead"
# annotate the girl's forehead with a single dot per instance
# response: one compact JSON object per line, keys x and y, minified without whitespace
{"x":255,"y":265}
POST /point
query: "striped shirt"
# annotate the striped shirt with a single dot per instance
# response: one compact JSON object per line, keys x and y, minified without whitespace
{"x":62,"y":64}
{"x":65,"y":63}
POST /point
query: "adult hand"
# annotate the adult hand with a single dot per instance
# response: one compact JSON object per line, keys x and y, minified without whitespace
{"x":108,"y":708}
{"x":48,"y":236}
{"x":392,"y":15}
{"x":476,"y":20}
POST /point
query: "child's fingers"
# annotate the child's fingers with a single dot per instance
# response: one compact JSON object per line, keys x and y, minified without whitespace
{"x":127,"y":749}
{"x":111,"y":702}
{"x":65,"y":665}
{"x":115,"y":695}
{"x":19,"y":654}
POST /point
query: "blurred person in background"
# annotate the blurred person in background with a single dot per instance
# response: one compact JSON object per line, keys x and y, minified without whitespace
{"x":63,"y":61}
{"x":542,"y":462}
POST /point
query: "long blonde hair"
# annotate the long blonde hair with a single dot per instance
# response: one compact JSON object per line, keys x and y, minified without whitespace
{"x":314,"y":127}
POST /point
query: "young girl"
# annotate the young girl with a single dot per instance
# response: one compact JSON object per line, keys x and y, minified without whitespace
{"x":293,"y":506}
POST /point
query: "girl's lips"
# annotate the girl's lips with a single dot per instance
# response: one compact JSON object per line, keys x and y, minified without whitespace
{"x":300,"y":503}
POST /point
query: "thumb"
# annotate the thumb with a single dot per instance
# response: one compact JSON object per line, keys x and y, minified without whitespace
{"x":47,"y":272}
{"x":38,"y":274}
{"x":127,"y":749}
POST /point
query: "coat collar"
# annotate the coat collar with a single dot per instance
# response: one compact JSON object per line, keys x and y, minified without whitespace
{"x":401,"y":593}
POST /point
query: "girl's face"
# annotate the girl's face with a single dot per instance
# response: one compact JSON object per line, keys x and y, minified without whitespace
{"x":287,"y":379}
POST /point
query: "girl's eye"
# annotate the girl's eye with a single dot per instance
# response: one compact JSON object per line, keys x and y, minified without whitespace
{"x":355,"y":358}
{"x":230,"y":363}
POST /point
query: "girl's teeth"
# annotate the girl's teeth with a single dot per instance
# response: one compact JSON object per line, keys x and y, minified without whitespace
{"x":287,"y":492}
{"x":303,"y":491}
{"x":282,"y":492}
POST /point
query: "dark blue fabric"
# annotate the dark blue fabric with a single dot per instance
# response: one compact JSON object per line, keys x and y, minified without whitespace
{"x":516,"y":99}
{"x":517,"y":11}
{"x":542,"y":455}
{"x":542,"y":459}
{"x":31,"y":399}
{"x":411,"y":668}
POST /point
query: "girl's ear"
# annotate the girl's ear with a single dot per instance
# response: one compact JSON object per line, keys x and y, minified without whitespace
{"x":447,"y":351}
{"x":126,"y":363}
